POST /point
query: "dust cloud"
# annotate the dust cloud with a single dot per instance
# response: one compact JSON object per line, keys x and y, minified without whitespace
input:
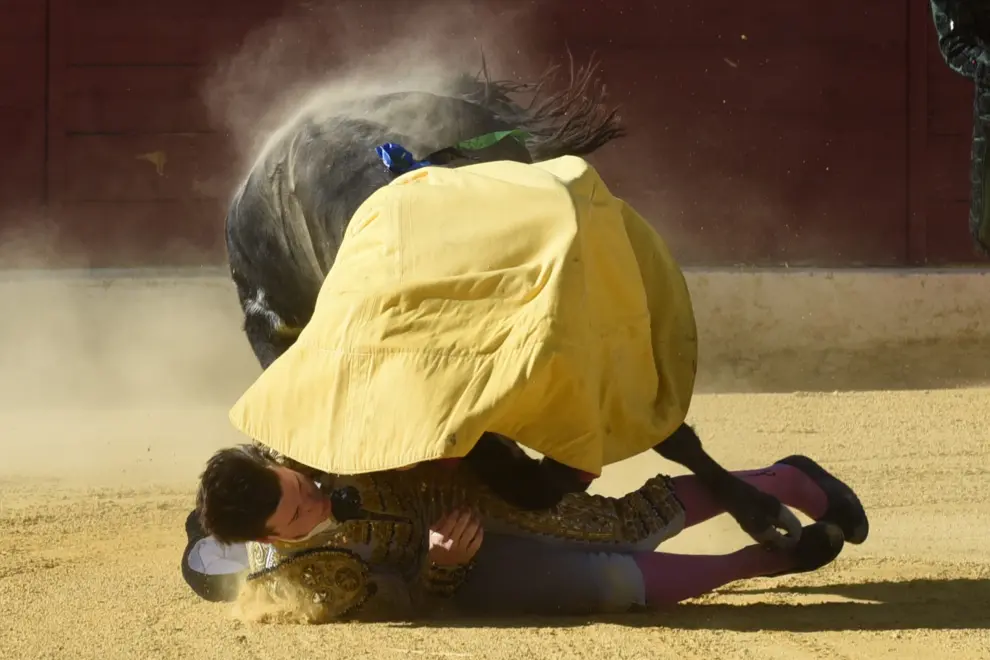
{"x":105,"y":375}
{"x":322,"y":56}
{"x":111,"y":377}
{"x":114,"y":377}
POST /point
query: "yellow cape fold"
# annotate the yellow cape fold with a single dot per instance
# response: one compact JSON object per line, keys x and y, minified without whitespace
{"x":523,"y":299}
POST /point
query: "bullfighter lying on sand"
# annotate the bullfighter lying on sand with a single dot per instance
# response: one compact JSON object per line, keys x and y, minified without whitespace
{"x":458,"y":288}
{"x":433,"y":539}
{"x":485,"y":303}
{"x":499,"y":300}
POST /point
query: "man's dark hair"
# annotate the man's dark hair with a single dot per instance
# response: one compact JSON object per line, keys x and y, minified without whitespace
{"x":238,"y":493}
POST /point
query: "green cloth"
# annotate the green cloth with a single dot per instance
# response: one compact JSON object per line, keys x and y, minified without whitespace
{"x":489,"y":139}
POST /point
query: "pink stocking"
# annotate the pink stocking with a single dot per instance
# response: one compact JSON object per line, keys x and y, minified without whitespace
{"x":670,"y":578}
{"x":788,"y":484}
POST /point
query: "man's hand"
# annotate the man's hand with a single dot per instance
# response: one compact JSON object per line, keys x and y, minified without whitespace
{"x":455,"y":539}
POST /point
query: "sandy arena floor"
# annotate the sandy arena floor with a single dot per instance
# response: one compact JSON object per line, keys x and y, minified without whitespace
{"x":93,"y":493}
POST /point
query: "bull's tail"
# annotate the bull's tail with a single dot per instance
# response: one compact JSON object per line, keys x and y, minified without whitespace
{"x":572,"y":121}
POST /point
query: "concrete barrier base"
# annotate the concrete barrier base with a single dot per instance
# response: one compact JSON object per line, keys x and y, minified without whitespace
{"x":760,"y":330}
{"x":785,"y":330}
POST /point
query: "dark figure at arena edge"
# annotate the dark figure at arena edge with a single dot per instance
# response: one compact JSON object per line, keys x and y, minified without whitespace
{"x":963,"y":29}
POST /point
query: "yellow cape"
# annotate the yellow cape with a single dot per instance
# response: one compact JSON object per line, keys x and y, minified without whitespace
{"x":520,"y":299}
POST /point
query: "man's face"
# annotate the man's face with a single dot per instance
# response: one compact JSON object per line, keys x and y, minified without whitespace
{"x":302,"y":507}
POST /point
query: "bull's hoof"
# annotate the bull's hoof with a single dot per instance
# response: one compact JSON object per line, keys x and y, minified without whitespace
{"x":844,"y":507}
{"x":820,"y":544}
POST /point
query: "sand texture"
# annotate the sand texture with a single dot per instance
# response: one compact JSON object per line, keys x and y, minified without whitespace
{"x":110,"y":407}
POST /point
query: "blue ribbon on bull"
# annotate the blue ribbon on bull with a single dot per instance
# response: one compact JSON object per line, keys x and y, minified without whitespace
{"x":400,"y":160}
{"x":397,"y":158}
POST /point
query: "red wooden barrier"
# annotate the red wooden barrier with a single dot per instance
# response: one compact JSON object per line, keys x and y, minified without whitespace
{"x":22,"y":109}
{"x":767,"y":132}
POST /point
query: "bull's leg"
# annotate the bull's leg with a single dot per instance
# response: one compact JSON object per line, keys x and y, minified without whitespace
{"x":759,"y":514}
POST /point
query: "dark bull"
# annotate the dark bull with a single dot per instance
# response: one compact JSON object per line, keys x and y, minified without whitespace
{"x":287,"y":220}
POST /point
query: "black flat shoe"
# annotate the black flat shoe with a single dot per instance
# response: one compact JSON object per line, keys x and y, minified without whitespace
{"x":820,"y":544}
{"x":844,"y":507}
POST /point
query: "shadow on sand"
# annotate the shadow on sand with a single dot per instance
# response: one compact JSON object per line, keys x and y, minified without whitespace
{"x":954,"y":604}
